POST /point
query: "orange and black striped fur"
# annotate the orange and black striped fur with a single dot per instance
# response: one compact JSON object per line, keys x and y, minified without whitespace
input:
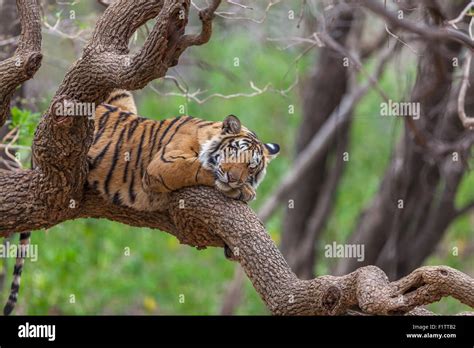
{"x":132,"y":159}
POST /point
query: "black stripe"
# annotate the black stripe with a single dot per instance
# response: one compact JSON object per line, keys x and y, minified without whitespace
{"x":140,"y":145}
{"x":198,"y":121}
{"x":131,"y":193}
{"x":24,"y":236}
{"x":95,"y":185}
{"x":118,"y":96}
{"x":114,"y":162}
{"x":122,"y":117}
{"x":125,"y":171}
{"x":14,"y":289}
{"x":111,"y":107}
{"x":96,"y":161}
{"x":150,"y":140}
{"x":102,"y":122}
{"x":7,"y":309}
{"x":208,"y":123}
{"x":132,"y":129}
{"x":155,"y":136}
{"x":117,"y":200}
{"x":142,"y":170}
{"x":17,"y":269}
{"x":166,"y":131}
{"x":163,"y":182}
{"x":189,"y":118}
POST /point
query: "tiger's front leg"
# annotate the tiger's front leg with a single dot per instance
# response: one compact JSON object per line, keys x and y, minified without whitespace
{"x":176,"y":170}
{"x":244,"y":193}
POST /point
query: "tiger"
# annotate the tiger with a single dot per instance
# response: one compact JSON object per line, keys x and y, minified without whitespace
{"x":134,"y":160}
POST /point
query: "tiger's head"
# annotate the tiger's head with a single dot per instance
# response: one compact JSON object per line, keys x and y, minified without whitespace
{"x":236,"y":156}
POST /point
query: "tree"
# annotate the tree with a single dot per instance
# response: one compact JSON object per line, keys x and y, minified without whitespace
{"x":55,"y":190}
{"x":415,"y":203}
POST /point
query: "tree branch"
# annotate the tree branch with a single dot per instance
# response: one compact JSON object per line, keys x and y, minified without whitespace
{"x":50,"y":193}
{"x":43,"y":197}
{"x":431,"y":33}
{"x":27,"y":58}
{"x":205,"y":221}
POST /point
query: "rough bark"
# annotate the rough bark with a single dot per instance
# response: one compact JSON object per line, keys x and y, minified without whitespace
{"x":45,"y":196}
{"x":204,"y":221}
{"x":40,"y":198}
{"x":9,"y":29}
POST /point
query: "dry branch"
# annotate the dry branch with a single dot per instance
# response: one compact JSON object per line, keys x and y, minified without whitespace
{"x":427,"y":32}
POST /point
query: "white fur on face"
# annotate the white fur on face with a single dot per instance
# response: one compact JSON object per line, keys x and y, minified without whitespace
{"x":210,"y":146}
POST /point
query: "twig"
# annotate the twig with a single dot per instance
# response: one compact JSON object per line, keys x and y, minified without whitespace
{"x":428,"y":32}
{"x":461,"y":15}
{"x":234,"y":16}
{"x":194,"y":95}
{"x":467,"y":122}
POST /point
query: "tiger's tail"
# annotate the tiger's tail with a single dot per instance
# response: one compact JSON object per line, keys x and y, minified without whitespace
{"x":20,"y":261}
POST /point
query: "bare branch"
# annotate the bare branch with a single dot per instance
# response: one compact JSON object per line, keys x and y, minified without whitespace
{"x":431,"y":33}
{"x":194,"y":96}
{"x":234,"y":16}
{"x":463,"y":13}
{"x":467,"y":122}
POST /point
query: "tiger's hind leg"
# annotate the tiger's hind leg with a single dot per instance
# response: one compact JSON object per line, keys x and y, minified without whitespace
{"x":123,"y":100}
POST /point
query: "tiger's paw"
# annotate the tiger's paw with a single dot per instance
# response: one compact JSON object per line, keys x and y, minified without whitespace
{"x":244,"y":193}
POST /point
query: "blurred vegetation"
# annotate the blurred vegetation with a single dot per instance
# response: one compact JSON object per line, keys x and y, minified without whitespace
{"x":102,"y":267}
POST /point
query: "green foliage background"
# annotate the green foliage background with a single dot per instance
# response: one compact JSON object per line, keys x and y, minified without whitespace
{"x":102,"y":267}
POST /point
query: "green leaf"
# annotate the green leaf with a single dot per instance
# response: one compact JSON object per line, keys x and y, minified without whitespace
{"x":26,"y":121}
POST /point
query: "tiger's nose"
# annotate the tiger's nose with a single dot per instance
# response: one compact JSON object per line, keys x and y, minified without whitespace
{"x":233,"y":177}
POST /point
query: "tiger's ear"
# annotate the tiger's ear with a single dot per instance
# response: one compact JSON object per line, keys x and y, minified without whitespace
{"x":272,"y":150}
{"x":231,"y":124}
